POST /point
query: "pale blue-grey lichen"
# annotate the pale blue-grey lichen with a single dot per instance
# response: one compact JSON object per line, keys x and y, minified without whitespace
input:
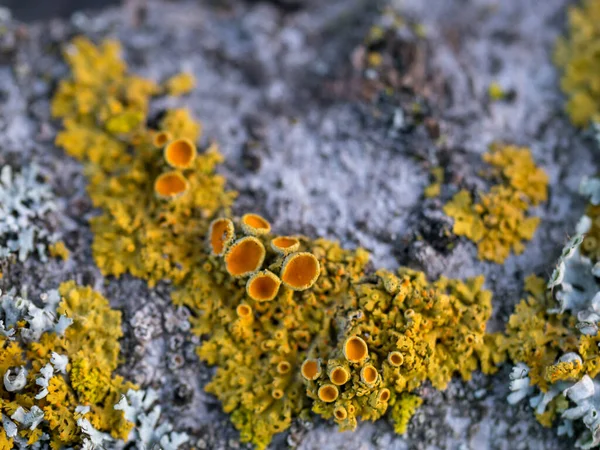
{"x":141,"y":408}
{"x":569,"y":389}
{"x":575,"y":277}
{"x":26,"y":208}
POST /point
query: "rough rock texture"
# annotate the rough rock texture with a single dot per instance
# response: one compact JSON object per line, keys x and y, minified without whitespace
{"x":278,"y":85}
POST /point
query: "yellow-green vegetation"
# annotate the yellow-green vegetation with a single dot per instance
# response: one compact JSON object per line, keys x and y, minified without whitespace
{"x":264,"y":311}
{"x":498,"y":221}
{"x":59,"y":250}
{"x":58,"y":373}
{"x":274,"y":311}
{"x":495,"y":91}
{"x":590,"y":247}
{"x":577,"y":56}
{"x":537,"y":338}
{"x":394,"y":333}
{"x":147,"y":227}
{"x":434,"y":189}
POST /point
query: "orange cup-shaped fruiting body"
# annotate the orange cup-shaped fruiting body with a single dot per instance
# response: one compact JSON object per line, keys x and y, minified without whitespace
{"x":355,"y":349}
{"x":340,"y":413}
{"x":369,"y":375}
{"x":170,"y":185}
{"x":300,"y":271}
{"x":244,"y":312}
{"x":263,"y":286}
{"x":220,"y":235}
{"x":244,"y":257}
{"x":283,"y":367}
{"x":255,"y":225}
{"x":384,"y":395}
{"x":180,"y":153}
{"x":285,"y":244}
{"x":328,"y":393}
{"x":311,"y":369}
{"x":161,"y":138}
{"x":395,"y":358}
{"x":339,"y":375}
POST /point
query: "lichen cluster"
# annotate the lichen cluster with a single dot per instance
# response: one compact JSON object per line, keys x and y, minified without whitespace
{"x":577,"y":57}
{"x":271,"y":309}
{"x":265,"y":307}
{"x":27,"y":213}
{"x":57,"y":363}
{"x":553,"y":339}
{"x":393,"y":334}
{"x":137,"y":174}
{"x":498,"y":220}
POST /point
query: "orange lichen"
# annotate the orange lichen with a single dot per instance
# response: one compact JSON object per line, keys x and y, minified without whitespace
{"x":355,"y":349}
{"x":384,"y":395}
{"x":245,"y":256}
{"x":300,"y":271}
{"x":255,"y":225}
{"x":285,"y":244}
{"x":277,"y":394}
{"x":395,"y":358}
{"x":161,"y":138}
{"x":221,"y":233}
{"x":328,"y":393}
{"x":339,"y":375}
{"x":180,"y":153}
{"x":311,"y":369}
{"x":283,"y":367}
{"x":170,"y":185}
{"x":340,"y":413}
{"x":263,"y":286}
{"x":369,"y":375}
{"x":243,"y":311}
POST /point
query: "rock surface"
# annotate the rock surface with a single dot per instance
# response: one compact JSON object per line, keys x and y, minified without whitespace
{"x":279,"y":89}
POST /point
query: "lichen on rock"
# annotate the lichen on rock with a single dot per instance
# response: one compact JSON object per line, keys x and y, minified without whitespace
{"x":498,"y":221}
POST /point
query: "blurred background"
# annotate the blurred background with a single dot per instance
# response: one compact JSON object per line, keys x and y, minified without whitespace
{"x":30,"y":10}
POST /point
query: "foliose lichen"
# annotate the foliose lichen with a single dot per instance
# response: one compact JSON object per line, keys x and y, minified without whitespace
{"x":274,"y":311}
{"x":498,"y":220}
{"x":57,"y":362}
{"x":579,"y":61}
{"x":27,"y":213}
{"x":393,"y":334}
{"x":147,"y":226}
{"x":553,"y":339}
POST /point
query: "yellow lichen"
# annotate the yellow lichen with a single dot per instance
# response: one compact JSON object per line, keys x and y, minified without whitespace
{"x":59,"y":250}
{"x":434,"y":189}
{"x":180,"y":84}
{"x":137,"y":231}
{"x":577,"y":57}
{"x":91,"y":345}
{"x":398,"y":332}
{"x":495,"y":91}
{"x":590,"y":247}
{"x":327,"y":339}
{"x":498,"y":222}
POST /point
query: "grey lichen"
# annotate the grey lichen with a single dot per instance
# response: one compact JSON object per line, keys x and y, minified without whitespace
{"x":26,"y":206}
{"x":575,"y":277}
{"x":140,"y":408}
